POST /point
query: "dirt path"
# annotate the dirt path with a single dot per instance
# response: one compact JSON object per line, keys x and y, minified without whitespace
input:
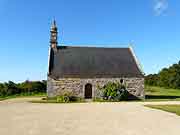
{"x":18,"y":117}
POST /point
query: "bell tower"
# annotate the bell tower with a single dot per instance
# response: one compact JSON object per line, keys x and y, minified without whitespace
{"x":54,"y":35}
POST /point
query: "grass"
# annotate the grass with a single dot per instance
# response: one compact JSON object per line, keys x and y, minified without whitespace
{"x":168,"y":108}
{"x":161,"y":94}
{"x":23,"y":95}
{"x":152,"y":94}
{"x":54,"y":100}
{"x":152,"y":90}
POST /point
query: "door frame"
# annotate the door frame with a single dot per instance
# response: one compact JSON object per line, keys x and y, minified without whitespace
{"x":85,"y":90}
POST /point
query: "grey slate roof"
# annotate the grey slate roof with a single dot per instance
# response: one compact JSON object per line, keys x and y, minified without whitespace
{"x":92,"y":62}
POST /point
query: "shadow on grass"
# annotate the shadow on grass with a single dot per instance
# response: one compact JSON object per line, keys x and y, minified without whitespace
{"x":132,"y":97}
{"x":161,"y":97}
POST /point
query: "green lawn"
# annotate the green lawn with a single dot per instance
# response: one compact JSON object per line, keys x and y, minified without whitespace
{"x":152,"y":94}
{"x":169,"y":108}
{"x":23,"y":95}
{"x":151,"y":90}
{"x":161,"y":94}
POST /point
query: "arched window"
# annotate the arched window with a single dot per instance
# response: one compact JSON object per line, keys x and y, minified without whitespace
{"x":121,"y":81}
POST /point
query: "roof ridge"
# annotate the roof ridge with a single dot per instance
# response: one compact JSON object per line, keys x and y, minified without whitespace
{"x":76,"y":46}
{"x":136,"y":59}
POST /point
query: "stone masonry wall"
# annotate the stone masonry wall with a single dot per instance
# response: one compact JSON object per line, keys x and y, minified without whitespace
{"x":77,"y":86}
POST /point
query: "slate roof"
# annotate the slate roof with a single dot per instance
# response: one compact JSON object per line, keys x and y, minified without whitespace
{"x":92,"y":62}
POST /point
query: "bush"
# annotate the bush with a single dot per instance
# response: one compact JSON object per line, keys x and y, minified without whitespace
{"x":114,"y":92}
{"x":123,"y":95}
{"x":62,"y":99}
{"x":65,"y":97}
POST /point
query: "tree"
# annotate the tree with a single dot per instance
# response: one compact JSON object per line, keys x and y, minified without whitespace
{"x":167,"y":77}
{"x":27,"y":87}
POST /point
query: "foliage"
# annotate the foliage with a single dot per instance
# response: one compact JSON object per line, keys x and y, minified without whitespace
{"x":66,"y":97}
{"x":151,"y":79}
{"x":62,"y":99}
{"x":54,"y":100}
{"x":114,"y":92}
{"x":167,"y":77}
{"x":25,"y":88}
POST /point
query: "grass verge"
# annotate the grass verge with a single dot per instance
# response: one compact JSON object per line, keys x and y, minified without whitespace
{"x":153,"y":94}
{"x":23,"y":95}
{"x":161,"y":94}
{"x":54,"y":100}
{"x":168,"y":108}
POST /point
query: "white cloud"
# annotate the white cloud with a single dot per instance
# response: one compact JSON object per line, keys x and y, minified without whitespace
{"x":160,"y":6}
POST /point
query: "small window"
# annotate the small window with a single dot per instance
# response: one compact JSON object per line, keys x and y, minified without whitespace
{"x":121,"y":81}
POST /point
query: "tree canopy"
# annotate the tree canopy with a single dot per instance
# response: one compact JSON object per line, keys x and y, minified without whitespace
{"x":167,"y":77}
{"x":27,"y":87}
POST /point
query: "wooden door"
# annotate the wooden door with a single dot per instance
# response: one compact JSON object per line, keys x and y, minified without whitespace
{"x":88,"y":91}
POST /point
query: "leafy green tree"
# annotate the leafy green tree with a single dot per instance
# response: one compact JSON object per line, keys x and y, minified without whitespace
{"x":3,"y":90}
{"x":167,"y":77}
{"x":27,"y":88}
{"x":151,"y":79}
{"x":12,"y":88}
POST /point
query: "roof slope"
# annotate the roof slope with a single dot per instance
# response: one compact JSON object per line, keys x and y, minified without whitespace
{"x":92,"y":62}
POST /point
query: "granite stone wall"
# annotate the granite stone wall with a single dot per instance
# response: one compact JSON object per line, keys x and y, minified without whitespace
{"x":135,"y":86}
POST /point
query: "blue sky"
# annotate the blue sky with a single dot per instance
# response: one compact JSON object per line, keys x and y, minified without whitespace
{"x":152,"y":26}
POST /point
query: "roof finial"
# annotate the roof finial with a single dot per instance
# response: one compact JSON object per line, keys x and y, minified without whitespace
{"x":54,"y":35}
{"x":53,"y":23}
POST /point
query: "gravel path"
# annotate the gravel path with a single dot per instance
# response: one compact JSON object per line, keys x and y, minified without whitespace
{"x":18,"y":117}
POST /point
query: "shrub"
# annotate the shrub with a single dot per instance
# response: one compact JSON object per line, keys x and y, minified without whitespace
{"x":62,"y":99}
{"x":66,"y":97}
{"x":114,"y":92}
{"x":123,"y":95}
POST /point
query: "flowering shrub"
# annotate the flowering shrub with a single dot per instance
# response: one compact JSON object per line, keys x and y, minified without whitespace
{"x":114,"y":92}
